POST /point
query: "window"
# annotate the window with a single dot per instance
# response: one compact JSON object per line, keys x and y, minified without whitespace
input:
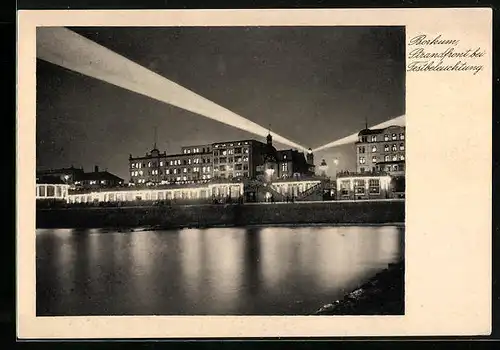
{"x":386,"y":148}
{"x":216,"y":161}
{"x":103,"y":182}
{"x":374,"y":186}
{"x":175,"y":171}
{"x":237,"y":150}
{"x":238,"y":167}
{"x":222,"y":168}
{"x":387,"y":158}
{"x":374,"y":159}
{"x":167,"y":171}
{"x":284,"y":167}
{"x":394,"y":147}
{"x":394,"y":158}
{"x":401,"y":136}
{"x":402,"y":157}
{"x":362,"y":160}
{"x":224,"y":152}
{"x":132,"y":165}
{"x":149,"y":164}
{"x":374,"y":138}
{"x":395,"y":167}
{"x":245,"y":166}
{"x":245,"y":150}
{"x":394,"y":136}
{"x":401,"y":146}
{"x":344,"y":187}
{"x":362,"y":149}
{"x":161,"y":162}
{"x":374,"y":148}
{"x":231,"y":151}
{"x":184,"y":170}
{"x":386,"y":137}
{"x":245,"y":158}
{"x":92,"y":182}
{"x":359,"y":186}
{"x":171,"y":163}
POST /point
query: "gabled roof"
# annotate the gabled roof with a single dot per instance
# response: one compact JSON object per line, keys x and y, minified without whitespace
{"x":49,"y":180}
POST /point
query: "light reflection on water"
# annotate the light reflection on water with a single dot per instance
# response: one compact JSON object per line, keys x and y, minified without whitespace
{"x":218,"y":271}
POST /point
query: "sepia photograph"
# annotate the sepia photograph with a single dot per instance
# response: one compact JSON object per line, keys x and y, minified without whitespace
{"x":212,"y":174}
{"x":253,"y":170}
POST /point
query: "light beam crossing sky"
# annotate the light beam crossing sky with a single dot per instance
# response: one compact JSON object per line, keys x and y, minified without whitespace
{"x":65,"y":48}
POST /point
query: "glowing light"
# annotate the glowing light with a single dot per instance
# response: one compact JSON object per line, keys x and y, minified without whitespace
{"x":400,"y":121}
{"x":65,"y":48}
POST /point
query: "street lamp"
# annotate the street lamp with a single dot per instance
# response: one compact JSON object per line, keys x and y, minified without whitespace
{"x":323,"y":168}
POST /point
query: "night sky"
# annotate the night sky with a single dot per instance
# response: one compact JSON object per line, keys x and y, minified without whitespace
{"x":312,"y":84}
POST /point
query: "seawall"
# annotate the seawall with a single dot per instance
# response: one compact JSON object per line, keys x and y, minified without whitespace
{"x":178,"y":216}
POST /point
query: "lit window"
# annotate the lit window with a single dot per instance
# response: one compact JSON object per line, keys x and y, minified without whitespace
{"x":167,"y":171}
{"x":362,"y":160}
{"x":184,"y":178}
{"x":374,"y":159}
{"x":133,"y":165}
{"x":387,"y":158}
{"x":208,"y":168}
{"x":394,"y":136}
{"x":394,"y":157}
{"x":140,"y":172}
{"x":402,"y":157}
{"x":149,"y":164}
{"x":92,"y":182}
{"x":394,"y":147}
{"x":374,"y":186}
{"x":185,"y":170}
{"x":374,"y":148}
{"x":224,"y":152}
{"x":401,"y":136}
{"x":386,"y":148}
{"x":402,"y":147}
{"x":386,"y":137}
{"x":208,"y":176}
{"x":374,"y":138}
{"x":189,"y":161}
{"x":175,"y":171}
{"x":103,"y":182}
{"x":161,"y":163}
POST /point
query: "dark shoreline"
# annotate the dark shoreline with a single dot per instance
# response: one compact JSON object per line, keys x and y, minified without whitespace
{"x":383,"y":294}
{"x":208,"y":216}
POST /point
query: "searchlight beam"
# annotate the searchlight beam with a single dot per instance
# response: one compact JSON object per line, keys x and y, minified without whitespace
{"x":401,"y":121}
{"x":65,"y":48}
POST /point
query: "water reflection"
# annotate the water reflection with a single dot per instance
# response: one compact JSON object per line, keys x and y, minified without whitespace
{"x":278,"y":270}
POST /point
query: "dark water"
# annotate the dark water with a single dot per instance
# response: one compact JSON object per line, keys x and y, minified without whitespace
{"x":220,"y":271}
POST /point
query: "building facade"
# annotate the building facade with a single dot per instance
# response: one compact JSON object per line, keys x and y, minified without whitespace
{"x":242,"y":159}
{"x":381,"y":150}
{"x":355,"y":186}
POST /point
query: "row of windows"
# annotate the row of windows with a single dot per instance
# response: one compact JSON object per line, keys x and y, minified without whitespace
{"x":177,"y":179}
{"x":154,"y":164}
{"x":377,"y":138}
{"x":387,"y":148}
{"x":231,"y":144}
{"x":231,"y":175}
{"x":231,"y":168}
{"x":360,"y":186}
{"x":387,"y":158}
{"x":237,"y":150}
{"x":204,"y":169}
{"x":230,"y":160}
{"x":196,"y":150}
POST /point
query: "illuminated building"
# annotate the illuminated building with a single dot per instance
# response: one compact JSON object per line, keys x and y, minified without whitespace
{"x":51,"y":188}
{"x":363,"y":186}
{"x":381,"y":150}
{"x":97,"y":179}
{"x":242,"y":159}
{"x":77,"y":178}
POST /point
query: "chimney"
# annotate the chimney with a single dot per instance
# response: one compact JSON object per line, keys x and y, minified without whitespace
{"x":96,"y":169}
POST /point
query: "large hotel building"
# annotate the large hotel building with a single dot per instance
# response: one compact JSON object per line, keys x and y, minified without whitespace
{"x":381,"y":150}
{"x":223,"y":160}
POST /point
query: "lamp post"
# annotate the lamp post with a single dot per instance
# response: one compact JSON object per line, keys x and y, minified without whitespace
{"x":323,"y":168}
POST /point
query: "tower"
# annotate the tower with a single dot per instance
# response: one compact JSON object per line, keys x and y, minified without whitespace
{"x":310,"y":156}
